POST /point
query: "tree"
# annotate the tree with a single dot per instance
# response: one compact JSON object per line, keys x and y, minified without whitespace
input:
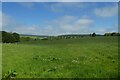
{"x":4,"y":36}
{"x":107,"y":34}
{"x":93,"y":35}
{"x":25,"y":38}
{"x":115,"y":34}
{"x":0,"y":36}
{"x":112,"y":34}
{"x":16,"y":37}
{"x":10,"y":37}
{"x":7,"y":38}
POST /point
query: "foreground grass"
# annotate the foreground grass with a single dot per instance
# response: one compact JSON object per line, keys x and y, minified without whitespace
{"x":74,"y":58}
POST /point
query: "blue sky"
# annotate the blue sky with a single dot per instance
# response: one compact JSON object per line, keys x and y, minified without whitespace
{"x":53,"y":18}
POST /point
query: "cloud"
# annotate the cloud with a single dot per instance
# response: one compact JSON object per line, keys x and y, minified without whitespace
{"x":104,"y":29}
{"x":26,"y":29}
{"x":106,"y":11}
{"x":11,"y":25}
{"x":78,"y":25}
{"x":8,"y":22}
{"x":62,"y":25}
{"x":63,"y":6}
{"x":71,"y":24}
{"x":74,"y":24}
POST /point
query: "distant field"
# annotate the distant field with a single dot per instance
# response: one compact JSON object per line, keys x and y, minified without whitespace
{"x":87,"y":57}
{"x":33,"y":37}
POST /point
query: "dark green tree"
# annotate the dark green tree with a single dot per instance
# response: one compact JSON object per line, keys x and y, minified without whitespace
{"x":10,"y":37}
{"x":4,"y":36}
{"x":16,"y":37}
{"x":107,"y":34}
{"x":93,"y":35}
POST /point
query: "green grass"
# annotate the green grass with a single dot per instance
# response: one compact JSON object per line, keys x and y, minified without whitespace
{"x":87,"y":57}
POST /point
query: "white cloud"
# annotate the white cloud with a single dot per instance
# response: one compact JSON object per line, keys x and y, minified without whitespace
{"x":7,"y":20}
{"x":78,"y":25}
{"x":106,"y":11}
{"x":83,"y":22}
{"x":105,"y":29}
{"x":11,"y":25}
{"x":63,"y":6}
{"x":71,"y":24}
{"x":26,"y":29}
{"x":62,"y":25}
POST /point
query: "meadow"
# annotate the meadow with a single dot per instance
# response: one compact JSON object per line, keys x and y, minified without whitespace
{"x":86,"y":57}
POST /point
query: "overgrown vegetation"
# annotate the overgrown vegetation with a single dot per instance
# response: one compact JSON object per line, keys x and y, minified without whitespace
{"x":112,"y":34}
{"x":8,"y":37}
{"x":10,"y":75}
{"x":84,"y":57}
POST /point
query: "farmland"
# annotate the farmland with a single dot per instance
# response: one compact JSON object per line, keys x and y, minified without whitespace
{"x":87,"y":57}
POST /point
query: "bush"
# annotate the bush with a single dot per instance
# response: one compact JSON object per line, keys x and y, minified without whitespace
{"x":112,"y":34}
{"x":93,"y":35}
{"x":44,"y":39}
{"x":16,"y":37}
{"x":10,"y":37}
{"x":25,"y":38}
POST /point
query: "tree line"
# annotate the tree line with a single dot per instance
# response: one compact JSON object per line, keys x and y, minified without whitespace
{"x":92,"y":35}
{"x":112,"y":34}
{"x":8,"y":37}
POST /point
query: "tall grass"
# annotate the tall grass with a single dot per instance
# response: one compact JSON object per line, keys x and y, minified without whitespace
{"x":87,"y":57}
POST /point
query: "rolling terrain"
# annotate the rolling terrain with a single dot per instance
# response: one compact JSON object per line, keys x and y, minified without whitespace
{"x":87,"y":57}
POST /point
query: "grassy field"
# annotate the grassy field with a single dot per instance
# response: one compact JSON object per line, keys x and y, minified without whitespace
{"x":87,"y":57}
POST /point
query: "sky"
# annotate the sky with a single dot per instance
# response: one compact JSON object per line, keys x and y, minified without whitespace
{"x":60,"y":0}
{"x":55,"y":18}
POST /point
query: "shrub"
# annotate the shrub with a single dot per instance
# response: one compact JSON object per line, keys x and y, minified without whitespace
{"x":9,"y":37}
{"x":10,"y":74}
{"x":93,"y":35}
{"x":44,"y":39}
{"x":25,"y":38}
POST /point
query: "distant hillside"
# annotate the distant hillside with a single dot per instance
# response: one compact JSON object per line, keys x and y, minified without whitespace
{"x":34,"y":35}
{"x":60,"y":35}
{"x":79,"y":35}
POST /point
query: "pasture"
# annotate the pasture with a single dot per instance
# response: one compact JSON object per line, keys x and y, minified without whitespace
{"x":87,"y":57}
